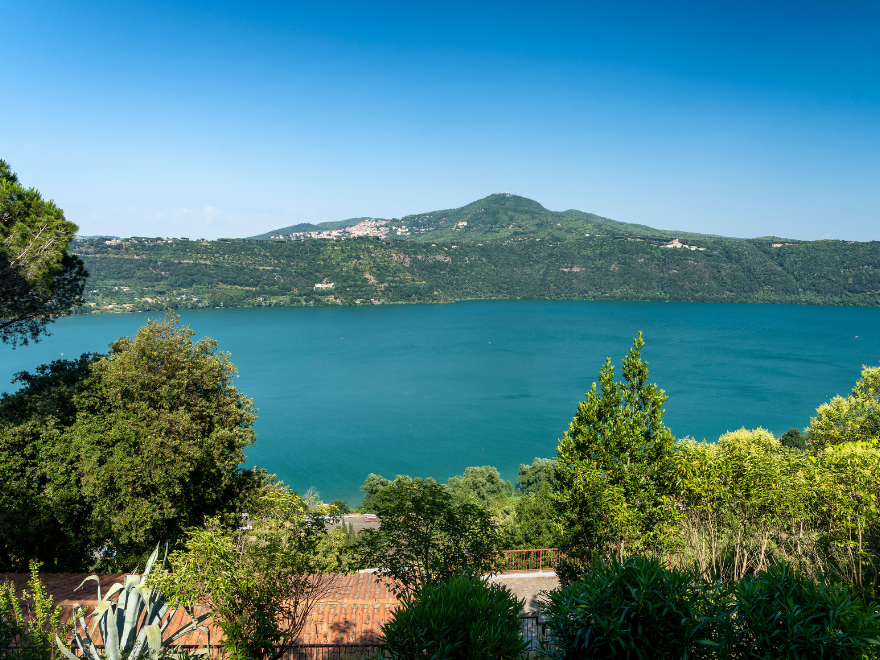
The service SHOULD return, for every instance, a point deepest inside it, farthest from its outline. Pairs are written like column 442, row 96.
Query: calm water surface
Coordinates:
column 431, row 389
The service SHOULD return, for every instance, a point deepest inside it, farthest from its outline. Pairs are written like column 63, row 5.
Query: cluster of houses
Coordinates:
column 675, row 243
column 369, row 227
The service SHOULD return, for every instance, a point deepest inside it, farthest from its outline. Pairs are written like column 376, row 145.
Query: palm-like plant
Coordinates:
column 131, row 624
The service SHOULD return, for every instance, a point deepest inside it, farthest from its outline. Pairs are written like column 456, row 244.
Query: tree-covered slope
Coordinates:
column 499, row 217
column 157, row 274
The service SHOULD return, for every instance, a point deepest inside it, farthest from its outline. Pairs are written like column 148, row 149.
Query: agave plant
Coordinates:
column 131, row 624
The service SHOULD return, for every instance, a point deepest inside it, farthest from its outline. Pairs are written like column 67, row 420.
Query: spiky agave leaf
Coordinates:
column 133, row 623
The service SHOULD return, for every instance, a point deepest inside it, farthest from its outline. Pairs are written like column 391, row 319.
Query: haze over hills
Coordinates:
column 498, row 217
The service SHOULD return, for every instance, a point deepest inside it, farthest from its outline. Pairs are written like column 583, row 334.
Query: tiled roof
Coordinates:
column 353, row 610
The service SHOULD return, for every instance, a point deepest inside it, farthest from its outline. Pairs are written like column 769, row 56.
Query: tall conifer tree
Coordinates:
column 615, row 483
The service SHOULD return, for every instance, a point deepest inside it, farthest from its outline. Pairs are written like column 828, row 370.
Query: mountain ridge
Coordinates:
column 496, row 217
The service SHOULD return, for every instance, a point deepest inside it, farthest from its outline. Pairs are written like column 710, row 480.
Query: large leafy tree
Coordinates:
column 149, row 446
column 427, row 536
column 532, row 478
column 43, row 515
column 159, row 436
column 373, row 484
column 39, row 279
column 614, row 482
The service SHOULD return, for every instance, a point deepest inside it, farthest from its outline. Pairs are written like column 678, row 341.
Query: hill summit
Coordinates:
column 500, row 217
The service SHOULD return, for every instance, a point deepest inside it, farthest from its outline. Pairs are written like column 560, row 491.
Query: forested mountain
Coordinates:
column 498, row 217
column 490, row 259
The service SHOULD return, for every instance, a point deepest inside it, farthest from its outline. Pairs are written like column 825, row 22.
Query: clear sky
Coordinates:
column 230, row 119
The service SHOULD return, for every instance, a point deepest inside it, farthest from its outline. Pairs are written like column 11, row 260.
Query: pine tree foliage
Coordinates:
column 39, row 280
column 615, row 479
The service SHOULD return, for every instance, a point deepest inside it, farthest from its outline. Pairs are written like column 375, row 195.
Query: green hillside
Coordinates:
column 499, row 217
column 502, row 246
column 153, row 274
column 504, row 217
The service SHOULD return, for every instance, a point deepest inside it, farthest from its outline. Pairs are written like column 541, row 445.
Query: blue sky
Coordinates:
column 229, row 119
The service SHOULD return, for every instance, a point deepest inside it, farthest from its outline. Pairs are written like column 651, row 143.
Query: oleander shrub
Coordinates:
column 464, row 618
column 637, row 609
column 783, row 614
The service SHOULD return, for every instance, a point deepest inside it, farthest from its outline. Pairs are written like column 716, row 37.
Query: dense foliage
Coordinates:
column 483, row 485
column 101, row 456
column 28, row 633
column 463, row 618
column 260, row 575
column 640, row 609
column 635, row 609
column 780, row 613
column 39, row 279
column 849, row 419
column 427, row 536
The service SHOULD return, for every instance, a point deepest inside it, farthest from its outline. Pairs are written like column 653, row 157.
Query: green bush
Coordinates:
column 464, row 618
column 637, row 609
column 26, row 633
column 782, row 614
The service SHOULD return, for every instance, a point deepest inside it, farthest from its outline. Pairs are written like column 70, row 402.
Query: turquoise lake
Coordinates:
column 427, row 390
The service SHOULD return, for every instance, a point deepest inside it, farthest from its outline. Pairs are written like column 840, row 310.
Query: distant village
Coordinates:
column 370, row 227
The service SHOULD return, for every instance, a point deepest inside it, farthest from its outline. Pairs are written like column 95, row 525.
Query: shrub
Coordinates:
column 464, row 618
column 31, row 631
column 427, row 536
column 260, row 576
column 637, row 609
column 782, row 614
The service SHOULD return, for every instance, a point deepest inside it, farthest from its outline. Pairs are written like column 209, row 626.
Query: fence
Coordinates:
column 530, row 560
column 335, row 652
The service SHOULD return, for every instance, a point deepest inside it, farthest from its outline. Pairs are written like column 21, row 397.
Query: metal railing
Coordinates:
column 335, row 652
column 529, row 560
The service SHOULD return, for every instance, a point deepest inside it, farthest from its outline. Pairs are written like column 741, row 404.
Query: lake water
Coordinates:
column 427, row 390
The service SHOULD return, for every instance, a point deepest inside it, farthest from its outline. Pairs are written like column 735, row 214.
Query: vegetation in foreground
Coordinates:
column 103, row 455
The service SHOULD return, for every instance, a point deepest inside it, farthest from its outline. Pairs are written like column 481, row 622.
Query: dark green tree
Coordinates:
column 483, row 484
column 532, row 523
column 372, row 486
column 43, row 515
column 118, row 451
column 160, row 435
column 39, row 279
column 462, row 619
column 614, row 485
column 427, row 536
column 533, row 477
column 793, row 439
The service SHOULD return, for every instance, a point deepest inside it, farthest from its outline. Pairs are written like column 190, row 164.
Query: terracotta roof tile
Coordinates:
column 353, row 611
